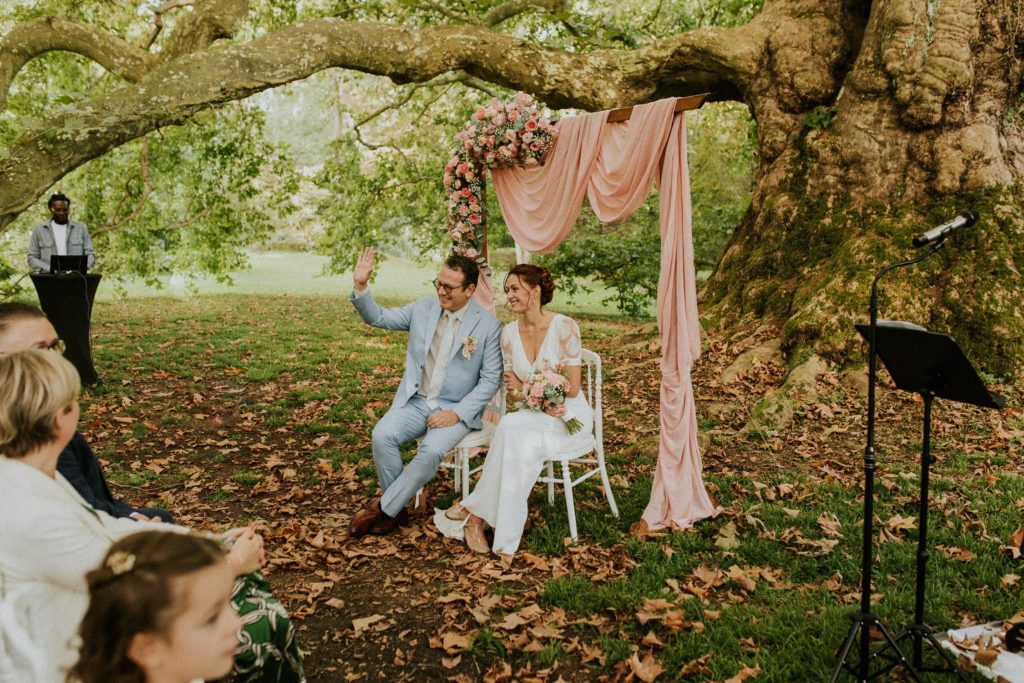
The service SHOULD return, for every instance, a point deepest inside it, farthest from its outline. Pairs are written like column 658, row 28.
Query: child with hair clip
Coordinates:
column 159, row 612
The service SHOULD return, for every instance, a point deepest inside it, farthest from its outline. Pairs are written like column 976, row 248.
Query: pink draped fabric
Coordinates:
column 614, row 165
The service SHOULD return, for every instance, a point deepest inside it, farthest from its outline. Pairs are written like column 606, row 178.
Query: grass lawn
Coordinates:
column 302, row 274
column 230, row 408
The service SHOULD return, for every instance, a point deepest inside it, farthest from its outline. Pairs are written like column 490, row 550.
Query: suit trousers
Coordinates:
column 399, row 426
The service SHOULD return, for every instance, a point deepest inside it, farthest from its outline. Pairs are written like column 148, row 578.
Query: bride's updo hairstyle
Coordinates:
column 535, row 276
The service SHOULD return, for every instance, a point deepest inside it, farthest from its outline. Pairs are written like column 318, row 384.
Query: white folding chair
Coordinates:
column 591, row 386
column 459, row 459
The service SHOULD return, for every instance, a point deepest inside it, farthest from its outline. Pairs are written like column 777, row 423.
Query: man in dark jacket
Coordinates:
column 26, row 327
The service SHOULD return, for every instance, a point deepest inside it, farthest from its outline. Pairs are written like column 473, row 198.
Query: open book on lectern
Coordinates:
column 921, row 361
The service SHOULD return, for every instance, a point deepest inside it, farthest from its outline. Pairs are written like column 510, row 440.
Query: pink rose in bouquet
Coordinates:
column 545, row 389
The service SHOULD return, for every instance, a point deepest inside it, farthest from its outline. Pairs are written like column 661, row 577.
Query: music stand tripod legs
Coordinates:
column 918, row 632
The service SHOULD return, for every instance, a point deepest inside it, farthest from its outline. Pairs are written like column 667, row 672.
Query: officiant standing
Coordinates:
column 59, row 236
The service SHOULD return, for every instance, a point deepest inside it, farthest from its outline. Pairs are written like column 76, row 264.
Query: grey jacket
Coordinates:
column 41, row 245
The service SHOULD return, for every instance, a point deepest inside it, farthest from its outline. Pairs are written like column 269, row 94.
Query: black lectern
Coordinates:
column 934, row 366
column 67, row 301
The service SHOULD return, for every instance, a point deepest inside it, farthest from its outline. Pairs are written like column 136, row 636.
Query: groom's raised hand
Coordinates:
column 364, row 269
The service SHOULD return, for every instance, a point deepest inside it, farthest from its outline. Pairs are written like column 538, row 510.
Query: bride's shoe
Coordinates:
column 457, row 513
column 474, row 533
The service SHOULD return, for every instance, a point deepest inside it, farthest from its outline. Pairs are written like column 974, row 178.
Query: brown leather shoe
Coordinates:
column 364, row 520
column 385, row 524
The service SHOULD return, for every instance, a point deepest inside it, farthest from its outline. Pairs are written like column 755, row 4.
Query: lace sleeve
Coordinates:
column 569, row 342
column 506, row 346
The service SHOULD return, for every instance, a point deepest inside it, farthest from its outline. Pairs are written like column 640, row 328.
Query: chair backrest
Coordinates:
column 590, row 384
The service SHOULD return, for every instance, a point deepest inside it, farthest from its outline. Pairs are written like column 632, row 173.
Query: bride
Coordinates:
column 523, row 439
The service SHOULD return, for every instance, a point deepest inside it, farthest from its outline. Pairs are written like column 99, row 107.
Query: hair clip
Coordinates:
column 120, row 562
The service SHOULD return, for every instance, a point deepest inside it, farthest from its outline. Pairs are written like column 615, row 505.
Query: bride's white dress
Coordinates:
column 523, row 439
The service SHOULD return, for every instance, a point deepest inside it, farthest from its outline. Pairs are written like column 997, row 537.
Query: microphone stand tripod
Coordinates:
column 865, row 618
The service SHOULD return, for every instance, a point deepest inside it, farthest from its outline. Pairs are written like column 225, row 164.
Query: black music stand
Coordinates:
column 934, row 366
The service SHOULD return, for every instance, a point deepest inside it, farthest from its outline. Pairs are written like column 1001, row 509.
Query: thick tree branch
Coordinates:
column 45, row 34
column 512, row 8
column 209, row 20
column 721, row 61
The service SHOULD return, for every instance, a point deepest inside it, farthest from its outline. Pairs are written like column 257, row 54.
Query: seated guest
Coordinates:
column 159, row 610
column 26, row 327
column 59, row 236
column 50, row 539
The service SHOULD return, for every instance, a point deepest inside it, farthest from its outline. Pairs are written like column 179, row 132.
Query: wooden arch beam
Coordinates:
column 682, row 104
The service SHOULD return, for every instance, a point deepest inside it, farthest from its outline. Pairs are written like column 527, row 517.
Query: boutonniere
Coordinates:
column 468, row 347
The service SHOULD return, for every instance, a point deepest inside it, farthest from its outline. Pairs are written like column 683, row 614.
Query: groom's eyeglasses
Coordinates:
column 447, row 289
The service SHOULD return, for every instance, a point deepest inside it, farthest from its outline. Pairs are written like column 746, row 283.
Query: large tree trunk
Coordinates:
column 924, row 123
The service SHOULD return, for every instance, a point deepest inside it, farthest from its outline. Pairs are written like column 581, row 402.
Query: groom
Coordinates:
column 452, row 370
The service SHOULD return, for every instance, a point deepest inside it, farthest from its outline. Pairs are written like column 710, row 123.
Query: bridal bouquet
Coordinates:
column 544, row 389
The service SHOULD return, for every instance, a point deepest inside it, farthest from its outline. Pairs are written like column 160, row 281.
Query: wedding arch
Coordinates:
column 613, row 158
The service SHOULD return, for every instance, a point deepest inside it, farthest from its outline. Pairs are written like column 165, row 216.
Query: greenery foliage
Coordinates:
column 345, row 159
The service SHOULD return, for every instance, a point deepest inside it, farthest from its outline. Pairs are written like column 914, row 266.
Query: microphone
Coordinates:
column 964, row 220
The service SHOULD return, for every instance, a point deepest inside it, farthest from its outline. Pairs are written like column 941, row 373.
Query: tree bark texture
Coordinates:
column 874, row 120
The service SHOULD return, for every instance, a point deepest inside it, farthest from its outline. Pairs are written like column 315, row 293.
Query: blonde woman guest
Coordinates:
column 50, row 538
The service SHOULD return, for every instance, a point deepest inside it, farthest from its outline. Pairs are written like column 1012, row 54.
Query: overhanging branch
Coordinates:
column 46, row 34
column 174, row 92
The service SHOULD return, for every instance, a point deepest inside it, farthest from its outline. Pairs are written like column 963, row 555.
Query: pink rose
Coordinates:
column 510, row 135
column 537, row 390
column 455, row 196
column 455, row 234
column 474, row 218
column 467, row 144
column 535, row 146
column 527, row 137
column 469, row 236
column 513, row 116
column 462, row 168
column 490, row 141
column 469, row 176
column 480, row 114
column 463, row 210
column 531, row 125
column 466, row 192
column 471, row 252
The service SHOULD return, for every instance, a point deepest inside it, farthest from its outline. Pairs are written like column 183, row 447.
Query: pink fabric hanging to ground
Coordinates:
column 614, row 165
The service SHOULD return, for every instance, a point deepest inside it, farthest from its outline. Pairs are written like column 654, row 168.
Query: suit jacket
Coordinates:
column 49, row 539
column 469, row 383
column 42, row 245
column 79, row 466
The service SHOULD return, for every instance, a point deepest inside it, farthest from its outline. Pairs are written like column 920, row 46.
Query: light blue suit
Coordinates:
column 469, row 384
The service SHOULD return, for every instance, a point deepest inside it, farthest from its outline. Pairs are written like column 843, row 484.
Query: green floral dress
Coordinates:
column 268, row 649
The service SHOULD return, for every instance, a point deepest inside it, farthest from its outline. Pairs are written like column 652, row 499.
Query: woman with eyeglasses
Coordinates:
column 50, row 539
column 536, row 340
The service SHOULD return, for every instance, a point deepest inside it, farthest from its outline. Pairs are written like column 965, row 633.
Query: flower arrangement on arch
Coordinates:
column 499, row 135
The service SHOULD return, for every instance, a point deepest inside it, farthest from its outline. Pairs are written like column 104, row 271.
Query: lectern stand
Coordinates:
column 934, row 366
column 67, row 300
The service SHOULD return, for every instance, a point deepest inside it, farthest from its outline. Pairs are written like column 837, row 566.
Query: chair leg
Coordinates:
column 551, row 483
column 464, row 456
column 457, row 473
column 607, row 486
column 570, row 503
